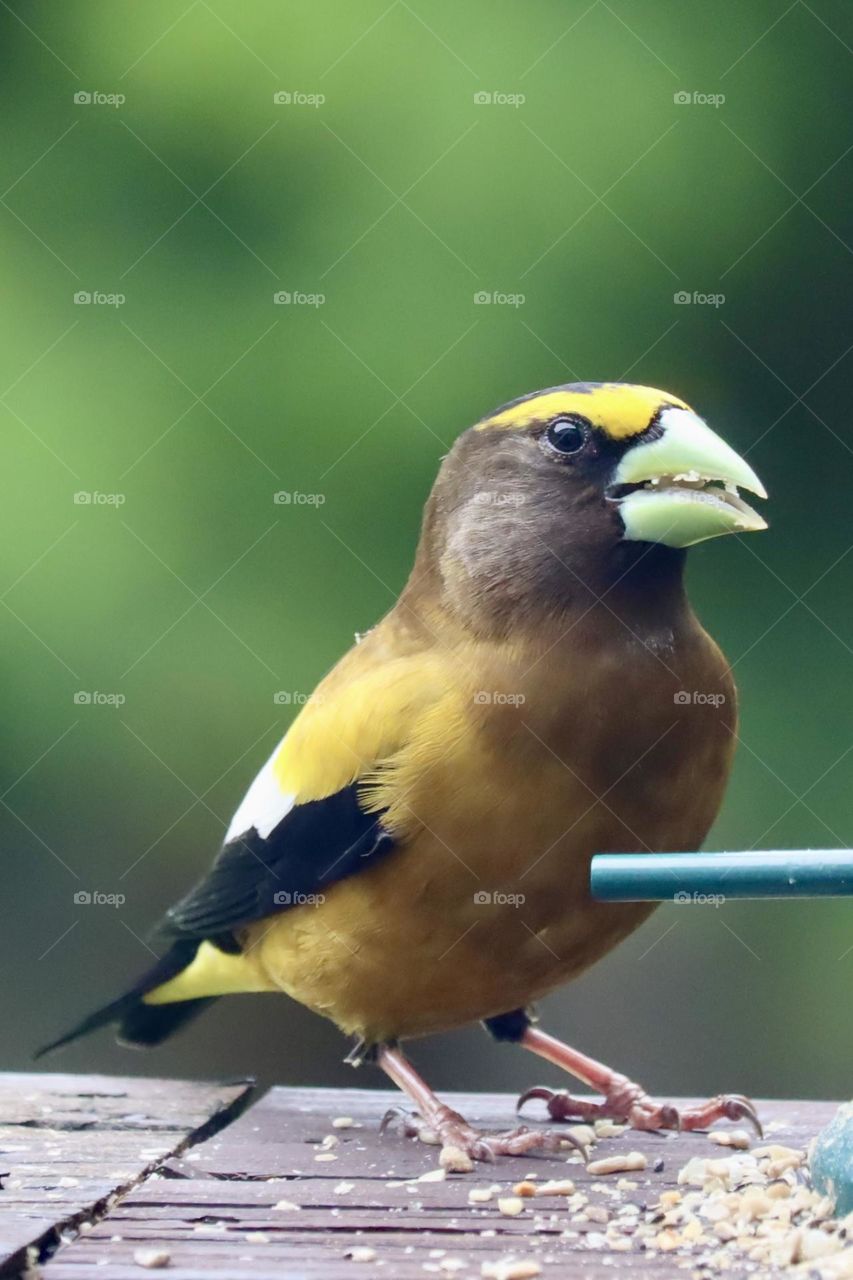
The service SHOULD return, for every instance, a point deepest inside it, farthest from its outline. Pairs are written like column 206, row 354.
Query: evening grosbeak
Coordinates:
column 415, row 854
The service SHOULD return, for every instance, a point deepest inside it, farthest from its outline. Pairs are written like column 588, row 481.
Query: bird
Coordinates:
column 414, row 856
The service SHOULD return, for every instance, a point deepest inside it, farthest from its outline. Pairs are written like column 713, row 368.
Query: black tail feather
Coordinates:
column 139, row 1023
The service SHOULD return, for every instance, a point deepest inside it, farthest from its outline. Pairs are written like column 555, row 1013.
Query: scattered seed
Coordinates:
column 607, row 1129
column 344, row 1188
column 153, row 1259
column 455, row 1160
column 361, row 1253
column 343, row 1122
column 511, row 1269
column 559, row 1187
column 511, row 1206
column 632, row 1161
column 524, row 1189
column 738, row 1138
column 287, row 1206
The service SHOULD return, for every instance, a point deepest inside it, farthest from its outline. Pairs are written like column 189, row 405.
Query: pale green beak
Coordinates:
column 690, row 478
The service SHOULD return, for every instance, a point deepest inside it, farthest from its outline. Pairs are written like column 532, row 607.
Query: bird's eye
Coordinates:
column 568, row 435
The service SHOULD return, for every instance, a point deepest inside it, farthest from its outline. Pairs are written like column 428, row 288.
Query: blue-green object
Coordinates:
column 831, row 1160
column 714, row 877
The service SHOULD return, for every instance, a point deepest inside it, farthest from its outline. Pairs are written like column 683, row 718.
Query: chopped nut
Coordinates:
column 524, row 1189
column 480, row 1195
column 630, row 1162
column 286, row 1206
column 667, row 1240
column 511, row 1206
column 343, row 1122
column 511, row 1269
column 361, row 1253
column 738, row 1138
column 607, row 1129
column 434, row 1175
column 558, row 1187
column 455, row 1160
column 344, row 1188
column 154, row 1259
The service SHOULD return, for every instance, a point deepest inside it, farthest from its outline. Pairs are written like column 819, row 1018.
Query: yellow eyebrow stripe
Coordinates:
column 619, row 409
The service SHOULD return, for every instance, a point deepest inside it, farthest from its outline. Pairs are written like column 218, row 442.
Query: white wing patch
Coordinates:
column 263, row 807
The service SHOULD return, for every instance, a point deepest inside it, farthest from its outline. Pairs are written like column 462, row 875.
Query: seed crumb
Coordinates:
column 361, row 1253
column 511, row 1269
column 511, row 1206
column 632, row 1161
column 524, row 1189
column 737, row 1138
column 455, row 1160
column 153, row 1259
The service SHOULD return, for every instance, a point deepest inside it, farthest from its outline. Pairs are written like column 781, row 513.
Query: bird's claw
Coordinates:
column 627, row 1103
column 449, row 1130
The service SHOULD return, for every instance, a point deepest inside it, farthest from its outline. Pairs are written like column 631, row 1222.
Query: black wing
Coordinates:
column 316, row 844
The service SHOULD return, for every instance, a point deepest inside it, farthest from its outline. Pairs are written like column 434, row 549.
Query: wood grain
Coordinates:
column 69, row 1144
column 211, row 1207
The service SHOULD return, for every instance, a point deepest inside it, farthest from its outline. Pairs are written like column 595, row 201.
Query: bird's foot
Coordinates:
column 461, row 1144
column 627, row 1103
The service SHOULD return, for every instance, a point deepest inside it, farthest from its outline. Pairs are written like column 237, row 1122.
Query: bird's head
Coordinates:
column 569, row 488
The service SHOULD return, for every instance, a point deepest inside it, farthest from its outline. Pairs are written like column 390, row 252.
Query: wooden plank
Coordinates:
column 69, row 1144
column 212, row 1209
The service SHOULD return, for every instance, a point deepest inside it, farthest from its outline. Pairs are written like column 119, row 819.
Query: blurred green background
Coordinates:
column 398, row 197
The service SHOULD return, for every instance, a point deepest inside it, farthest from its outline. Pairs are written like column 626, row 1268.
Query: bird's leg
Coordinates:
column 439, row 1125
column 621, row 1098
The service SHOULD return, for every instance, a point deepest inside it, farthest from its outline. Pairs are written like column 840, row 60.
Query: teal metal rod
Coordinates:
column 714, row 877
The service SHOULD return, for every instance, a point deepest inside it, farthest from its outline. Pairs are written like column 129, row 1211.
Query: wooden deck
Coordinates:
column 100, row 1175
